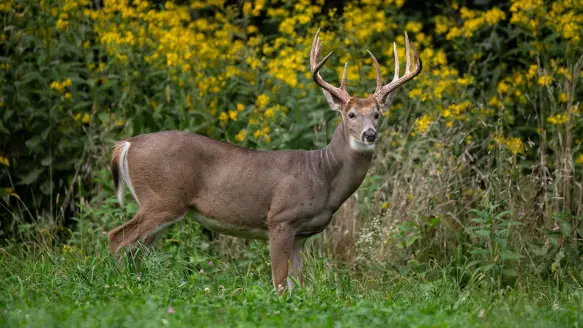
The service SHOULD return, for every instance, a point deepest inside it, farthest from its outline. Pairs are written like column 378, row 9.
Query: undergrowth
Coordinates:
column 186, row 287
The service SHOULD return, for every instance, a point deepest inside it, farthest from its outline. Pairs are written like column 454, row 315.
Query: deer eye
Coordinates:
column 376, row 115
column 351, row 115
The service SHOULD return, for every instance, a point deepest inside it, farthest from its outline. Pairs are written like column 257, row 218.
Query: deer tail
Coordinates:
column 120, row 170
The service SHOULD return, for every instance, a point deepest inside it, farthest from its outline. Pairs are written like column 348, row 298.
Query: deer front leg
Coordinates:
column 296, row 263
column 281, row 240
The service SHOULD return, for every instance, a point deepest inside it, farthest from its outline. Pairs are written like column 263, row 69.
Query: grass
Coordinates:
column 68, row 289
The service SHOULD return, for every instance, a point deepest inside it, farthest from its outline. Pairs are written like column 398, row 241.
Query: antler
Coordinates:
column 382, row 91
column 340, row 93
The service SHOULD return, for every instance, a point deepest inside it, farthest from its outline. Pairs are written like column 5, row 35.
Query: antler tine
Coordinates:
column 396, row 77
column 315, row 67
column 381, row 93
column 378, row 71
column 344, row 78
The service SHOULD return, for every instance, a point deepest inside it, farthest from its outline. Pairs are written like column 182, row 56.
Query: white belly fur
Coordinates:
column 214, row 225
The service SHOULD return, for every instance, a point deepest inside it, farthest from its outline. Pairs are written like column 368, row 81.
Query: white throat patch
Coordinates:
column 360, row 146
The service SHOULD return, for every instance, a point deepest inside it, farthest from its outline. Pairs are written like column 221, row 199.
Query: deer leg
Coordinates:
column 296, row 263
column 281, row 239
column 144, row 229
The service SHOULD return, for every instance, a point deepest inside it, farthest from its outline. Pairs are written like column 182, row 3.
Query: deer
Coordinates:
column 282, row 196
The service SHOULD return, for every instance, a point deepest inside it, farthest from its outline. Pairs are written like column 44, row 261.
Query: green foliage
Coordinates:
column 492, row 252
column 71, row 289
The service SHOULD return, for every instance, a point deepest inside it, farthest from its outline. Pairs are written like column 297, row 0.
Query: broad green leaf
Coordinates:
column 32, row 176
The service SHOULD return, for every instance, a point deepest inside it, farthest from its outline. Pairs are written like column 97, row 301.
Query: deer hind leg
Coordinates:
column 144, row 229
column 296, row 263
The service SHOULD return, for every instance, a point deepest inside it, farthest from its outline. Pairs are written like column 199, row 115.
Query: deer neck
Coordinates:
column 346, row 165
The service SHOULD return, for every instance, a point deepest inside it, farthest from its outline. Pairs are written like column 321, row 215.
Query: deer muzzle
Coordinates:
column 369, row 135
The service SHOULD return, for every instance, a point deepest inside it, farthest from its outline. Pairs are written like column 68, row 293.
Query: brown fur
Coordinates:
column 289, row 194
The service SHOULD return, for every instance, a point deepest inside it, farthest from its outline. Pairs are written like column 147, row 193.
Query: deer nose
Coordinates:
column 369, row 135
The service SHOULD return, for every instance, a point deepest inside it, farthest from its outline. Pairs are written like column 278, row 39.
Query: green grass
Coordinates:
column 52, row 289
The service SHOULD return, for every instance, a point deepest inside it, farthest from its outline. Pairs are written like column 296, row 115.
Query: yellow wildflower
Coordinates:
column 413, row 27
column 247, row 7
column 545, row 79
column 503, row 87
column 233, row 115
column 240, row 107
column 287, row 26
column 494, row 15
column 515, row 145
column 223, row 117
column 440, row 58
column 262, row 101
column 441, row 23
column 517, row 79
column 60, row 86
column 495, row 102
column 240, row 137
column 413, row 93
column 532, row 72
column 453, row 33
column 4, row 161
column 67, row 249
column 71, row 250
column 269, row 113
column 558, row 119
column 465, row 81
column 472, row 25
column 467, row 14
column 422, row 124
column 252, row 29
column 62, row 23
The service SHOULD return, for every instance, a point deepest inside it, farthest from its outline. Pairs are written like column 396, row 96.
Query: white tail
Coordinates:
column 120, row 162
column 284, row 196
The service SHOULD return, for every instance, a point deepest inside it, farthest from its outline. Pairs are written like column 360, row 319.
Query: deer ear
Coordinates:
column 389, row 101
column 334, row 102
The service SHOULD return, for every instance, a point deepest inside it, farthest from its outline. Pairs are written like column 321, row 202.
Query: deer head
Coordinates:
column 360, row 115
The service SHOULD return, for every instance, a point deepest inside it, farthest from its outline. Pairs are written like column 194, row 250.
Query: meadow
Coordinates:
column 176, row 288
column 469, row 216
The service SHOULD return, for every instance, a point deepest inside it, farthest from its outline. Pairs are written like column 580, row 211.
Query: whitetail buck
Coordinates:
column 284, row 196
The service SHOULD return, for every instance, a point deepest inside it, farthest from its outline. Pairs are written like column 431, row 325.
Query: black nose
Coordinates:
column 369, row 135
